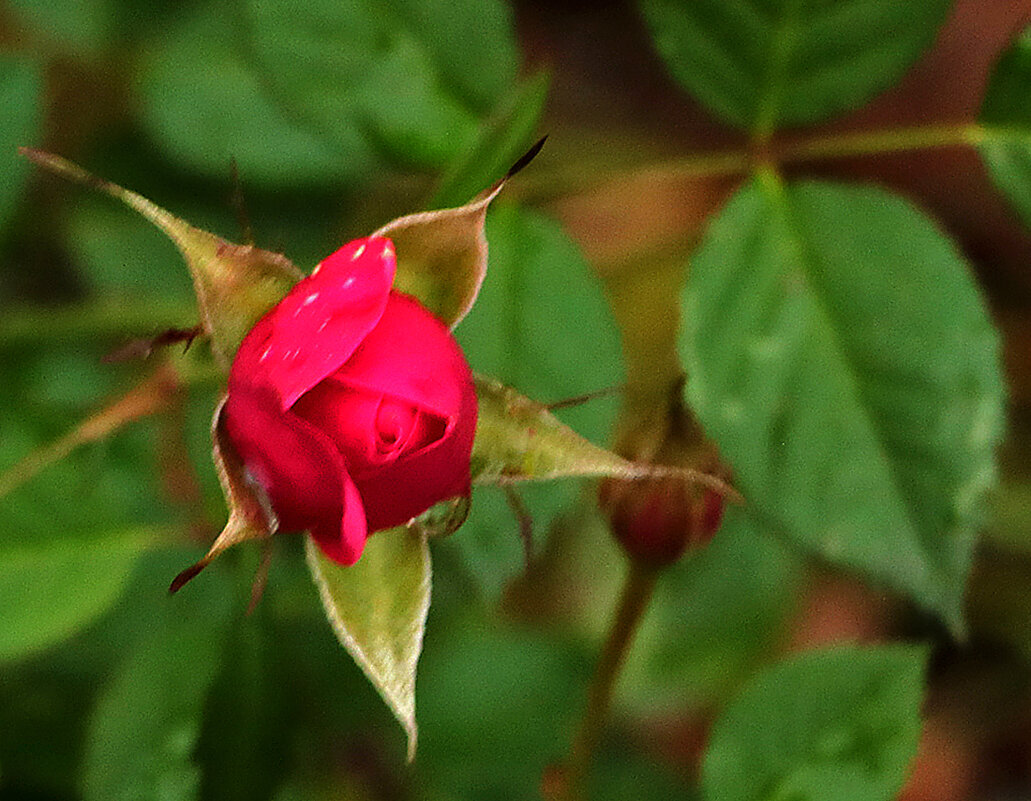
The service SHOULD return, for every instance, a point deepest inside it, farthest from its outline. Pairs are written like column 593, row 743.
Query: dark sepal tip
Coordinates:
column 527, row 157
column 179, row 581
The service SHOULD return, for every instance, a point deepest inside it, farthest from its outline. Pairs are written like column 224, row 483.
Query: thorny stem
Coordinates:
column 633, row 602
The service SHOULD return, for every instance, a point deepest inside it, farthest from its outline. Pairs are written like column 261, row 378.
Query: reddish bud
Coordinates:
column 657, row 519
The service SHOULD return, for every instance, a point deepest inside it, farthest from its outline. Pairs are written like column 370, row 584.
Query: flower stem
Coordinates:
column 638, row 588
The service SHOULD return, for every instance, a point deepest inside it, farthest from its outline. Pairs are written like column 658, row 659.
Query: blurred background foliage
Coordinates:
column 331, row 118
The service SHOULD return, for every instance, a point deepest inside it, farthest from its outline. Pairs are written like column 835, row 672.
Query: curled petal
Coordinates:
column 321, row 322
column 411, row 356
column 428, row 475
column 300, row 469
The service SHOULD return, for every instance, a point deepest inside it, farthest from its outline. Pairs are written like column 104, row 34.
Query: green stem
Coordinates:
column 548, row 185
column 637, row 592
column 892, row 140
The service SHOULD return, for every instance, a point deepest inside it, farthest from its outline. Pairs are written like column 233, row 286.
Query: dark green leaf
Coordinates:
column 377, row 608
column 144, row 729
column 540, row 323
column 409, row 76
column 1006, row 122
column 51, row 589
column 498, row 704
column 762, row 66
column 21, row 87
column 835, row 725
column 715, row 613
column 205, row 106
column 501, row 139
column 839, row 353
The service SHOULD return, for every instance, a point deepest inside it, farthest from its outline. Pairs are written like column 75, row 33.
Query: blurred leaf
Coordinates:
column 83, row 26
column 501, row 139
column 145, row 727
column 148, row 397
column 21, row 88
column 540, row 323
column 409, row 75
column 714, row 614
column 789, row 62
column 235, row 284
column 442, row 255
column 839, row 353
column 497, row 708
column 1006, row 122
column 51, row 589
column 246, row 698
column 377, row 608
column 123, row 255
column 204, row 105
column 840, row 723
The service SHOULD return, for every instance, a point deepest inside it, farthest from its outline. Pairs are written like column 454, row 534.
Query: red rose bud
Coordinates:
column 657, row 519
column 351, row 404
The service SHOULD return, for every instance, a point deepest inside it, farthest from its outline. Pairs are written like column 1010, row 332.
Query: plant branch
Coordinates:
column 633, row 602
column 737, row 161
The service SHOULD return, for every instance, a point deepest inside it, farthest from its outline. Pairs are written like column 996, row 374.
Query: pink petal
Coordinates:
column 322, row 320
column 299, row 467
column 412, row 356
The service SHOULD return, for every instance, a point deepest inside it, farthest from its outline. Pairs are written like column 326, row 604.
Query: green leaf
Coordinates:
column 501, row 139
column 713, row 616
column 408, row 76
column 141, row 739
column 1006, row 122
column 762, row 66
column 21, row 88
column 377, row 608
column 206, row 106
column 53, row 588
column 839, row 353
column 838, row 724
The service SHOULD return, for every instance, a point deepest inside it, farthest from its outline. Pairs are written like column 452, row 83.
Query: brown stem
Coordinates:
column 637, row 592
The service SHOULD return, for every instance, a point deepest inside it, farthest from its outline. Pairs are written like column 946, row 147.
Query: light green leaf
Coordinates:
column 840, row 724
column 518, row 439
column 141, row 740
column 1006, row 122
column 442, row 255
column 53, row 588
column 762, row 66
column 21, row 87
column 83, row 26
column 501, row 139
column 839, row 353
column 410, row 76
column 205, row 106
column 377, row 608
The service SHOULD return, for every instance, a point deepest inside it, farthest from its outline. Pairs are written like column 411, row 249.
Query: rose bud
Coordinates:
column 657, row 519
column 351, row 404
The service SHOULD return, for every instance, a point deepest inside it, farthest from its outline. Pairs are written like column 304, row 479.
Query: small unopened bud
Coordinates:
column 657, row 519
